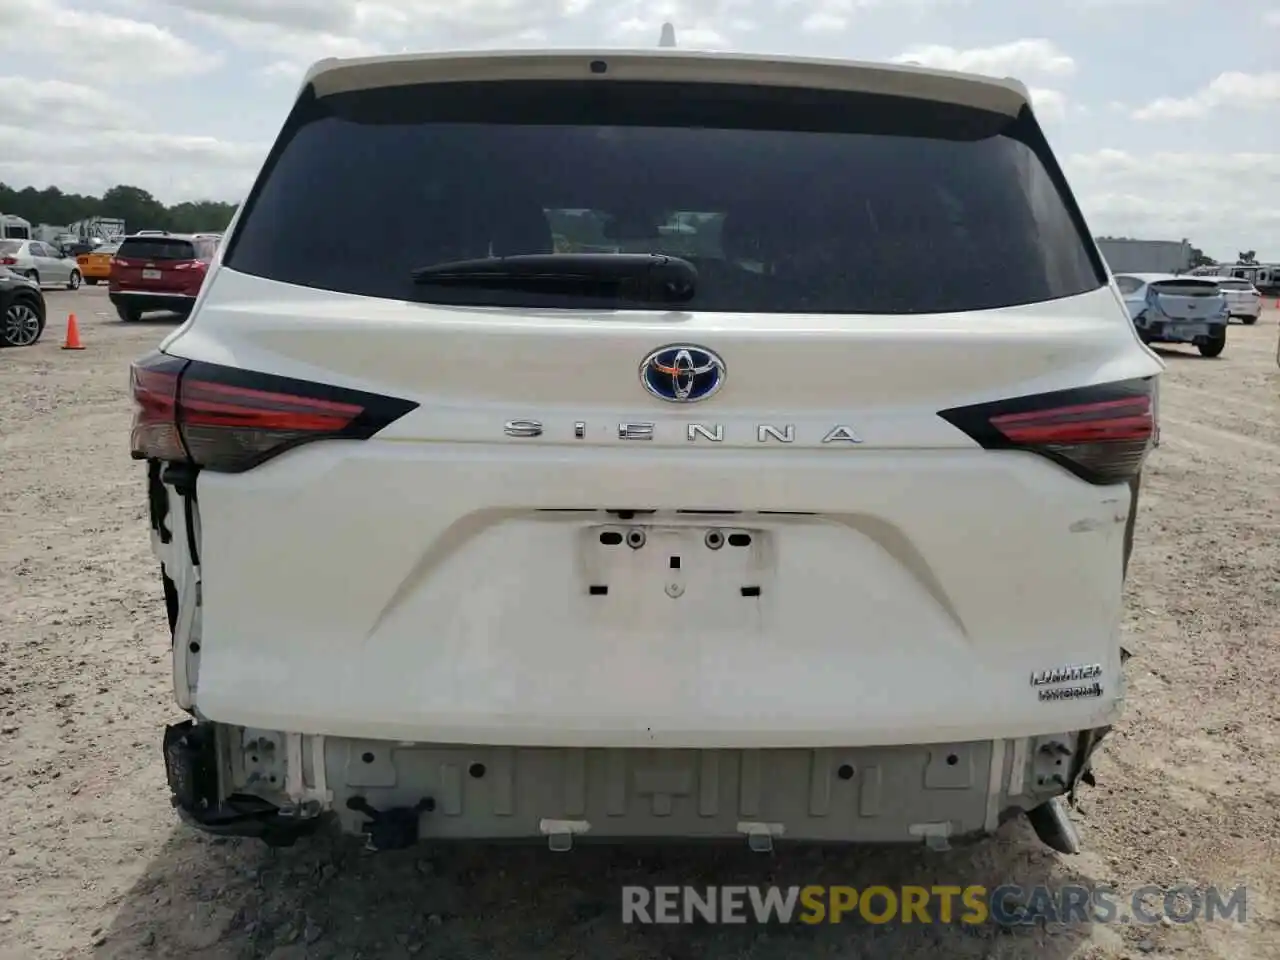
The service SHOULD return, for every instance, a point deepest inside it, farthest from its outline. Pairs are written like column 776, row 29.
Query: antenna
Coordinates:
column 668, row 38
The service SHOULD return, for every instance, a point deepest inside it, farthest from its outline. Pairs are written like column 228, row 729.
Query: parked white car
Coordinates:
column 1244, row 301
column 464, row 537
column 40, row 262
column 1171, row 308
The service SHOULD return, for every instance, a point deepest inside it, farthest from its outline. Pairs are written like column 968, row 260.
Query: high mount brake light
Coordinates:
column 230, row 420
column 1102, row 434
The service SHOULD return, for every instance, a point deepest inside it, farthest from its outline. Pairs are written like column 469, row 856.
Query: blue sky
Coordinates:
column 1166, row 113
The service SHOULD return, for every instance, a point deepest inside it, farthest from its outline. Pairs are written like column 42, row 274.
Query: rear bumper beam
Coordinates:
column 191, row 768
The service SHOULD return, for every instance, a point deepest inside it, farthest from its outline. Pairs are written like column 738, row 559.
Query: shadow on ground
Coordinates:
column 328, row 898
column 153, row 320
column 1170, row 353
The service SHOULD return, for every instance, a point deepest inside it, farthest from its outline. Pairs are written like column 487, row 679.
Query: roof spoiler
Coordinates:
column 332, row 76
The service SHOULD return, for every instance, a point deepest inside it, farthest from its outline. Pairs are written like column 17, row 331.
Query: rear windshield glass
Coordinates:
column 1186, row 288
column 156, row 248
column 784, row 201
column 10, row 246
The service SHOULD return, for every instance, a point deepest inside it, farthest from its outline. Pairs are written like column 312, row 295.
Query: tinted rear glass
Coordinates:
column 156, row 248
column 1186, row 288
column 785, row 201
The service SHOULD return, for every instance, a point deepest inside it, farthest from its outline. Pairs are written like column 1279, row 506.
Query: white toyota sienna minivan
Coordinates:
column 685, row 445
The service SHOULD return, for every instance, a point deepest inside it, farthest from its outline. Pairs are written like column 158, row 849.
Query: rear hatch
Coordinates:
column 1239, row 293
column 156, row 265
column 544, row 541
column 1186, row 299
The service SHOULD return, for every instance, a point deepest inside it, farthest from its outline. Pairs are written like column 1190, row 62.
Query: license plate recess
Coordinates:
column 675, row 563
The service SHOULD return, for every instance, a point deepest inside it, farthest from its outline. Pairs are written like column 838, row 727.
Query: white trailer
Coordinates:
column 100, row 229
column 1146, row 256
column 1264, row 276
column 14, row 228
column 48, row 233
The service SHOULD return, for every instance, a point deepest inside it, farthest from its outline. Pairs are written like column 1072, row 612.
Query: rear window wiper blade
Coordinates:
column 648, row 277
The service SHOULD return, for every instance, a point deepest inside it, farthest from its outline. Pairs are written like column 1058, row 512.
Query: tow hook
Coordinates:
column 1053, row 826
column 395, row 828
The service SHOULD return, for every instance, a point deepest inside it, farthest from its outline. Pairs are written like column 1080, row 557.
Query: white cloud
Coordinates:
column 305, row 15
column 1233, row 90
column 1048, row 104
column 1020, row 57
column 377, row 24
column 1210, row 198
column 295, row 44
column 89, row 43
column 40, row 104
column 172, row 167
column 836, row 16
column 699, row 24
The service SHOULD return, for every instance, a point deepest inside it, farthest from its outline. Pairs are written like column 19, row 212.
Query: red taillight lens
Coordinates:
column 154, row 384
column 187, row 265
column 230, row 420
column 8, row 261
column 229, row 428
column 1085, row 423
column 117, row 262
column 1102, row 434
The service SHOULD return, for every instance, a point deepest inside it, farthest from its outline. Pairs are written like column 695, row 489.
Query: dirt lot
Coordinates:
column 93, row 863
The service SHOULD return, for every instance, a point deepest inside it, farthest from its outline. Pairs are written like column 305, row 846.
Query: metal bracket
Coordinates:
column 936, row 835
column 560, row 833
column 760, row 835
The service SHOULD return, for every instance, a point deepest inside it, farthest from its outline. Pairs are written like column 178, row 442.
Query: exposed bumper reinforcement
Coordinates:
column 191, row 769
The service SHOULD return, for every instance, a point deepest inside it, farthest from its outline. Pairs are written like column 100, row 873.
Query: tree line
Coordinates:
column 135, row 206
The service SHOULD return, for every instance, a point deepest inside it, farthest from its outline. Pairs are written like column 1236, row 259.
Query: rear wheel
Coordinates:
column 22, row 324
column 32, row 276
column 1214, row 345
column 127, row 314
column 1249, row 321
column 91, row 281
column 74, row 282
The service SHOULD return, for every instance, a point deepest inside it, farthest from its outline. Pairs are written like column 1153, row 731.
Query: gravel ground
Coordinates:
column 93, row 863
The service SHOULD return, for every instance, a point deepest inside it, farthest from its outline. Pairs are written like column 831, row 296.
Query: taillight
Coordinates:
column 1102, row 434
column 187, row 265
column 117, row 262
column 153, row 381
column 8, row 261
column 230, row 420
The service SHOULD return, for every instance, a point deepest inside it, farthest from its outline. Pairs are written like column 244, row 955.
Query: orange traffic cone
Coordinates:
column 73, row 334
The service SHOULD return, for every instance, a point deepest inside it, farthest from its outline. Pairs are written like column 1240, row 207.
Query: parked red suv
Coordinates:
column 159, row 272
